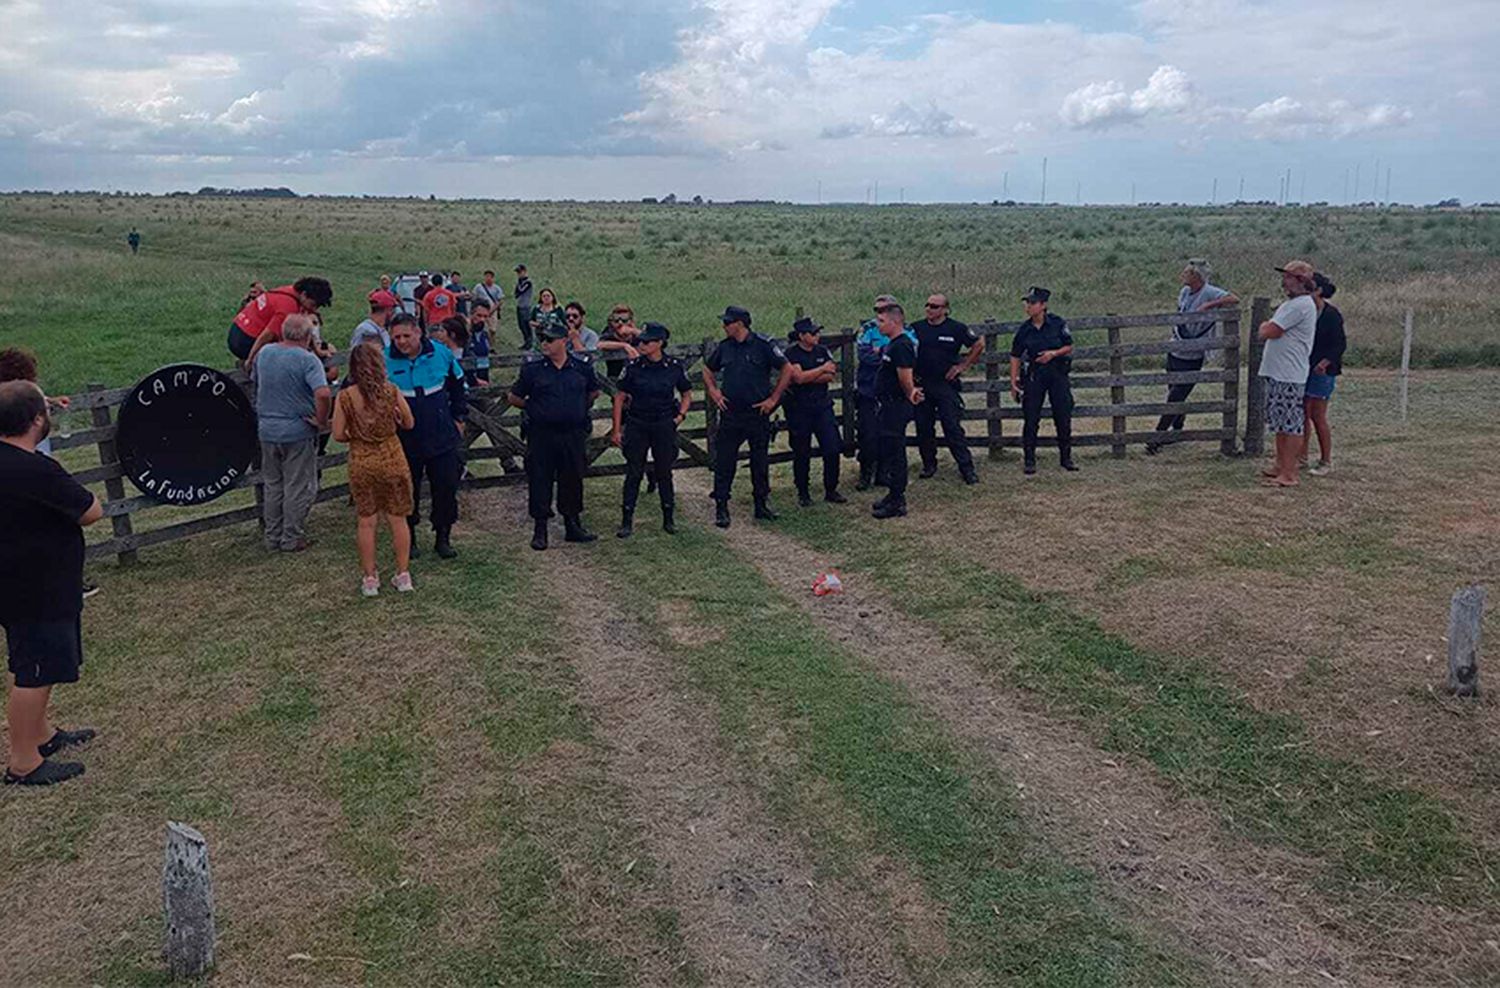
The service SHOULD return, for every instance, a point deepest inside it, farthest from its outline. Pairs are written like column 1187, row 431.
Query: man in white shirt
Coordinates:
column 1288, row 335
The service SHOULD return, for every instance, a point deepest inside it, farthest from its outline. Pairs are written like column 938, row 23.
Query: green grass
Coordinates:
column 1016, row 910
column 1255, row 767
column 114, row 317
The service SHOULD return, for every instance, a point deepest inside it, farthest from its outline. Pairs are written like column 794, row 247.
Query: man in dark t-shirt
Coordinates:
column 41, row 584
column 896, row 388
column 945, row 349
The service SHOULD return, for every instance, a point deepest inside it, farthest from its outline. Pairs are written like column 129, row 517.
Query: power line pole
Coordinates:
column 877, row 192
column 1302, row 187
column 1241, row 196
column 1287, row 196
column 1005, row 186
column 1214, row 198
column 1044, row 181
column 1387, row 185
column 1356, row 181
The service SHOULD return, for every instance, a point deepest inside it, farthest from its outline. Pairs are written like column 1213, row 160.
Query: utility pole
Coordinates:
column 1288, row 194
column 1214, row 198
column 903, row 195
column 1302, row 187
column 1044, row 181
column 1387, row 185
column 1241, row 196
column 1005, row 186
column 877, row 192
column 1356, row 181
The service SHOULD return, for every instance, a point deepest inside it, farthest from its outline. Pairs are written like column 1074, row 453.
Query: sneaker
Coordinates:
column 1323, row 469
column 369, row 586
column 89, row 589
column 402, row 583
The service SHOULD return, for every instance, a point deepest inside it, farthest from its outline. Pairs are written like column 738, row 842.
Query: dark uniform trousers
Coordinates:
column 895, row 415
column 659, row 438
column 867, row 425
column 1043, row 383
column 443, row 472
column 802, row 428
column 555, row 456
column 523, row 323
column 942, row 402
column 1178, row 392
column 736, row 429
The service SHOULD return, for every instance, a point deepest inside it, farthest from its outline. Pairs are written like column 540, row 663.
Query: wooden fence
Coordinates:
column 1105, row 366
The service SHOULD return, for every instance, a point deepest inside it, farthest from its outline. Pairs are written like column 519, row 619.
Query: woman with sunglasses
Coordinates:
column 618, row 339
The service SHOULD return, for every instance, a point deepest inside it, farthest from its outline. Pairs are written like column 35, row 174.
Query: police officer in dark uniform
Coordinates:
column 556, row 392
column 896, row 387
column 653, row 399
column 737, row 377
column 941, row 340
column 1040, row 358
column 809, row 412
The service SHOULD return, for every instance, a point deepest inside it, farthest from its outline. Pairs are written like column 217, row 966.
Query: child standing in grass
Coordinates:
column 367, row 417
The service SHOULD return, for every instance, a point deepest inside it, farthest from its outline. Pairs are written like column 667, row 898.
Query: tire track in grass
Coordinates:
column 754, row 908
column 1166, row 857
column 1016, row 912
column 1394, row 867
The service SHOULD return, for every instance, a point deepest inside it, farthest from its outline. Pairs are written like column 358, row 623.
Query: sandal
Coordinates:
column 66, row 739
column 45, row 774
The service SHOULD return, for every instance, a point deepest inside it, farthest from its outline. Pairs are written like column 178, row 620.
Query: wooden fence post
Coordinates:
column 1116, row 394
column 1255, row 388
column 993, row 427
column 1229, row 332
column 710, row 410
column 187, row 888
column 849, row 391
column 1465, row 616
column 1405, row 363
column 114, row 487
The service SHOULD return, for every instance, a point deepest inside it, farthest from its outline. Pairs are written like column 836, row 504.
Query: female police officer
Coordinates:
column 652, row 401
column 809, row 412
column 1040, row 358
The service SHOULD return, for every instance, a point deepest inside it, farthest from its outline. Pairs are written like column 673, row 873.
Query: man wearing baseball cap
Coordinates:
column 1289, row 335
column 373, row 329
column 737, row 377
column 868, row 348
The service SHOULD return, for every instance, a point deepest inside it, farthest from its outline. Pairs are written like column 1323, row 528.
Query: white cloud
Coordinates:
column 1285, row 118
column 1105, row 104
column 905, row 120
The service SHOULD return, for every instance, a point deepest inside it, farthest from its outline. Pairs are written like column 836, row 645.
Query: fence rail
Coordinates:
column 1098, row 367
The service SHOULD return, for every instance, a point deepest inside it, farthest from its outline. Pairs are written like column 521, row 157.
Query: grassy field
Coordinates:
column 93, row 312
column 1149, row 724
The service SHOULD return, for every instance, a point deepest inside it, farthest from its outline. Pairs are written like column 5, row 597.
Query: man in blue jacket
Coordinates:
column 433, row 382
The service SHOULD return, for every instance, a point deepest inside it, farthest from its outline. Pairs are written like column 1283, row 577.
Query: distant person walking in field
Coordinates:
column 556, row 393
column 868, row 347
column 41, row 585
column 652, row 401
column 1288, row 335
column 373, row 329
column 367, row 416
column 523, row 294
column 430, row 378
column 1196, row 295
column 1326, row 364
column 946, row 348
column 133, row 238
column 1041, row 355
column 259, row 321
column 809, row 412
column 293, row 403
column 896, row 387
column 737, row 376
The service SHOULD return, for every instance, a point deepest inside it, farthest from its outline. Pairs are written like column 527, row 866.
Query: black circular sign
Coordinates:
column 186, row 434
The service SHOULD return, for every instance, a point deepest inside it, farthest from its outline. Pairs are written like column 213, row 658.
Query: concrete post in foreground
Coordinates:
column 1465, row 616
column 187, row 889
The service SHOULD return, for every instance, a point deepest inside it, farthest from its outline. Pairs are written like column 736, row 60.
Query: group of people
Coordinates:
column 415, row 398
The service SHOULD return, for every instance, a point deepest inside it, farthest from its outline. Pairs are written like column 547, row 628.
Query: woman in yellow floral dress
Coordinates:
column 367, row 416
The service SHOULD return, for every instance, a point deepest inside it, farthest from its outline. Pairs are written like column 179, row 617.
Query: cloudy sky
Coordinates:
column 785, row 99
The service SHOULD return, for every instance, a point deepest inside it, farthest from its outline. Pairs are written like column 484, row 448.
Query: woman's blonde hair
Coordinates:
column 367, row 369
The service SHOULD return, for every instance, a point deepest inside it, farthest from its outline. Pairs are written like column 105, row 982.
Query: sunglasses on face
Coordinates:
column 574, row 317
column 936, row 305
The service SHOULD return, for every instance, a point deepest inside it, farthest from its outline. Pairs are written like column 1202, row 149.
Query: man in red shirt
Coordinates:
column 259, row 322
column 439, row 303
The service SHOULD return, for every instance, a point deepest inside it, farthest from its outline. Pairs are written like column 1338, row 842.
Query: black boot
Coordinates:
column 626, row 529
column 573, row 530
column 667, row 524
column 890, row 508
column 834, row 497
column 539, row 534
column 415, row 550
column 763, row 510
column 1030, row 467
column 927, row 472
column 443, row 546
column 804, row 500
column 971, row 477
column 866, row 477
column 651, row 483
column 1065, row 455
column 721, row 514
